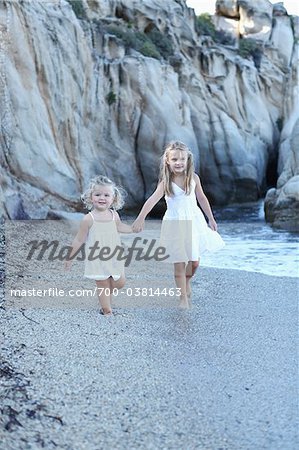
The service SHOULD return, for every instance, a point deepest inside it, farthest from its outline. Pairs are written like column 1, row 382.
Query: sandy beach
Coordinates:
column 222, row 375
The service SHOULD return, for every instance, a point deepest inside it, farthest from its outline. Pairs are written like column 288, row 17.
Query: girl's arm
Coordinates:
column 122, row 227
column 79, row 239
column 204, row 203
column 147, row 207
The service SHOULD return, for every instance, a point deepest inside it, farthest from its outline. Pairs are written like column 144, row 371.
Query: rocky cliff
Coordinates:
column 99, row 86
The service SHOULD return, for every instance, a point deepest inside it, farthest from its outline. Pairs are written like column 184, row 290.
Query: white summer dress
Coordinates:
column 105, row 234
column 185, row 233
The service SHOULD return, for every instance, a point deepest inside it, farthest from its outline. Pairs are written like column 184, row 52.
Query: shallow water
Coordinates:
column 253, row 245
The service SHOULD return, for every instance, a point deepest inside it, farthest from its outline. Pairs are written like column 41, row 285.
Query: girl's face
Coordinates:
column 177, row 161
column 102, row 197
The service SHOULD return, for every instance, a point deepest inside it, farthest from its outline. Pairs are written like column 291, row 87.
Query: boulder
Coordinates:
column 227, row 25
column 282, row 38
column 255, row 19
column 279, row 9
column 282, row 203
column 227, row 8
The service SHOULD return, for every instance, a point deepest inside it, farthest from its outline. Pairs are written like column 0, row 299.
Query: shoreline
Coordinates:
column 293, row 277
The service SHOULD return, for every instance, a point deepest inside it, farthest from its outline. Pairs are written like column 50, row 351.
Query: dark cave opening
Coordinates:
column 271, row 175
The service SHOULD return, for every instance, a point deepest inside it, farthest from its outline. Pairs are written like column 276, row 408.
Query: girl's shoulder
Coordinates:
column 88, row 218
column 86, row 222
column 161, row 186
column 115, row 214
column 196, row 178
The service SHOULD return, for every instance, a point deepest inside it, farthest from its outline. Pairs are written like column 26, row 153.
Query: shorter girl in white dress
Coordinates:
column 99, row 230
column 184, row 233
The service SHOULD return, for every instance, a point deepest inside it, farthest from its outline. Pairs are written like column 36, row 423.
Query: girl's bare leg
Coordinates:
column 180, row 280
column 190, row 271
column 105, row 295
column 118, row 284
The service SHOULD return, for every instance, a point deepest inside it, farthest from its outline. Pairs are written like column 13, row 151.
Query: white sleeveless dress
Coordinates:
column 185, row 233
column 104, row 234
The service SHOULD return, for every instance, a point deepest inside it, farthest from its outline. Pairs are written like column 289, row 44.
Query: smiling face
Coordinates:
column 177, row 161
column 102, row 197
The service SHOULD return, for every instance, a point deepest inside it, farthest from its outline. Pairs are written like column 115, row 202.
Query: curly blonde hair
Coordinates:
column 165, row 173
column 101, row 180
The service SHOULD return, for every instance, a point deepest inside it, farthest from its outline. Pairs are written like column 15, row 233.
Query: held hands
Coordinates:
column 138, row 225
column 213, row 224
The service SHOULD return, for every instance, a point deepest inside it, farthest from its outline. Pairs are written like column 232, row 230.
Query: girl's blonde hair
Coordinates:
column 101, row 180
column 166, row 174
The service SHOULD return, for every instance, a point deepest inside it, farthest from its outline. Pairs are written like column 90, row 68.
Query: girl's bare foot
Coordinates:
column 184, row 304
column 106, row 312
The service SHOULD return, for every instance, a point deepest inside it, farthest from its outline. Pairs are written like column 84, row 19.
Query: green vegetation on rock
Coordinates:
column 206, row 27
column 153, row 44
column 162, row 42
column 111, row 98
column 78, row 8
column 251, row 48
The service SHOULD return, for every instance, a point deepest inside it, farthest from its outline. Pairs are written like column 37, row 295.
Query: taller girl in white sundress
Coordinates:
column 184, row 233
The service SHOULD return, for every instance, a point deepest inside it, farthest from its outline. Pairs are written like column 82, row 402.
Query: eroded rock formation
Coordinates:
column 100, row 87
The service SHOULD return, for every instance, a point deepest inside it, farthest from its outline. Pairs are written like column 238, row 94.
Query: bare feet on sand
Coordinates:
column 184, row 304
column 106, row 312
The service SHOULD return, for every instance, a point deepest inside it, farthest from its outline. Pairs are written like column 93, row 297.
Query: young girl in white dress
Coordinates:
column 100, row 228
column 184, row 233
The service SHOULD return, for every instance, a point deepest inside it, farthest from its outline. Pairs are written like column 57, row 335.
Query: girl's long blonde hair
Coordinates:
column 101, row 180
column 166, row 174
